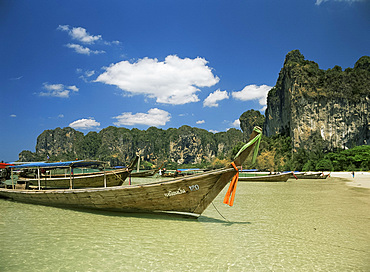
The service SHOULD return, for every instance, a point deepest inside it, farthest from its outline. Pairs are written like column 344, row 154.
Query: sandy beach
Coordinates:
column 361, row 179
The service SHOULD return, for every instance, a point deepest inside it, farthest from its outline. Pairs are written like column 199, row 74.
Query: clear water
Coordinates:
column 310, row 225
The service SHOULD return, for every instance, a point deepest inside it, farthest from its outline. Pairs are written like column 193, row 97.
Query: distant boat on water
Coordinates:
column 304, row 175
column 145, row 173
column 282, row 177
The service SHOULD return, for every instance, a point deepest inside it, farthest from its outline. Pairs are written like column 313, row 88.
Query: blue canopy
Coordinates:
column 249, row 170
column 73, row 164
column 189, row 169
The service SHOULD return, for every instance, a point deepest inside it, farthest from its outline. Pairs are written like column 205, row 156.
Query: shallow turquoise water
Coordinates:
column 309, row 225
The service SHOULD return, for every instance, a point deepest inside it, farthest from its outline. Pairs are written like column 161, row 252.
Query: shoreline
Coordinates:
column 361, row 179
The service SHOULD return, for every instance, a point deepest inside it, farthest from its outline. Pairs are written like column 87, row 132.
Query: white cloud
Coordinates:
column 16, row 78
column 154, row 117
column 83, row 50
column 254, row 92
column 13, row 115
column 213, row 98
column 60, row 116
column 319, row 2
column 58, row 90
column 236, row 123
column 89, row 73
column 53, row 87
column 113, row 42
column 213, row 131
column 85, row 75
column 80, row 34
column 173, row 81
column 200, row 122
column 73, row 88
column 63, row 27
column 85, row 124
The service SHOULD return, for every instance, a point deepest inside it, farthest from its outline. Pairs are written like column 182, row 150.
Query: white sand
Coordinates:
column 361, row 179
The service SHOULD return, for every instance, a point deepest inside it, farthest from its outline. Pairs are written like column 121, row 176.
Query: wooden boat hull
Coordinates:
column 113, row 178
column 310, row 176
column 313, row 177
column 171, row 174
column 185, row 195
column 268, row 178
column 147, row 173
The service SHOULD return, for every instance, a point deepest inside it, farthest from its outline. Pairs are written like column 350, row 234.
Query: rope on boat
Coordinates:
column 118, row 177
column 219, row 212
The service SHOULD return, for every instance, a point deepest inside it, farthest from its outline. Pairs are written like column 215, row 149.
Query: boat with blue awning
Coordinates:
column 44, row 175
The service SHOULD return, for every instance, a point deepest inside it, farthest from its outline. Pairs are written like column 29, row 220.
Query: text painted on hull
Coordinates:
column 181, row 191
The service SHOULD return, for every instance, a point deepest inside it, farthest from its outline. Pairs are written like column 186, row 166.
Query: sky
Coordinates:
column 136, row 64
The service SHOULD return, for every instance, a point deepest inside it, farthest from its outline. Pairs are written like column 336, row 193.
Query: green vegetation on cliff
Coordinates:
column 185, row 145
column 319, row 109
column 276, row 155
column 250, row 119
column 179, row 148
column 352, row 83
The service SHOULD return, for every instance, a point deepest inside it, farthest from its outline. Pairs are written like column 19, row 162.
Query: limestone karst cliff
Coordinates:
column 309, row 104
column 249, row 120
column 58, row 141
column 185, row 145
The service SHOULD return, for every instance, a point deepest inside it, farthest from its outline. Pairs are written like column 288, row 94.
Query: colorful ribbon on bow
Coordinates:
column 254, row 140
column 230, row 195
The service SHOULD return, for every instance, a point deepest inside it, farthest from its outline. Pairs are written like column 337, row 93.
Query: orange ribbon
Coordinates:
column 232, row 188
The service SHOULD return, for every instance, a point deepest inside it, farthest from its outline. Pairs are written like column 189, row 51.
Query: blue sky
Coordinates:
column 94, row 64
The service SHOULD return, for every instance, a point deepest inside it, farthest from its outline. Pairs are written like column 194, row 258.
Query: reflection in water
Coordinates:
column 299, row 225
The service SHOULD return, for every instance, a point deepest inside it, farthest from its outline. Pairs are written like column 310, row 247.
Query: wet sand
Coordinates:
column 361, row 179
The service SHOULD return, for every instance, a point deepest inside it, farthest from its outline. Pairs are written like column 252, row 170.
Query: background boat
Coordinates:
column 72, row 181
column 300, row 175
column 266, row 178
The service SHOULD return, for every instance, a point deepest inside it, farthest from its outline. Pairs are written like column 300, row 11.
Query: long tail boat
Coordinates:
column 72, row 180
column 305, row 175
column 267, row 178
column 5, row 171
column 188, row 195
column 312, row 176
column 146, row 173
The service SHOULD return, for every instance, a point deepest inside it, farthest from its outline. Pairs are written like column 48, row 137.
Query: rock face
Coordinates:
column 58, row 141
column 249, row 120
column 185, row 145
column 308, row 102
